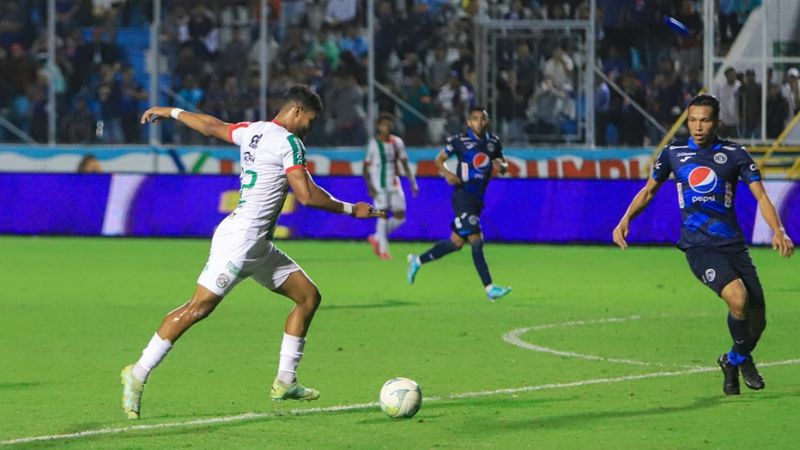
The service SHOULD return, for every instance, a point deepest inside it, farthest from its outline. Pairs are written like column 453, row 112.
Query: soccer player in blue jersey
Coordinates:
column 477, row 151
column 706, row 171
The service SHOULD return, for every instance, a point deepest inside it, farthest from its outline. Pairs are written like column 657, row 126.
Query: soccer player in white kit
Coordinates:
column 272, row 159
column 385, row 154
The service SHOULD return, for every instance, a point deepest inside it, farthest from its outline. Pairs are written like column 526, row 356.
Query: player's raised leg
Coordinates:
column 176, row 323
column 307, row 298
column 438, row 250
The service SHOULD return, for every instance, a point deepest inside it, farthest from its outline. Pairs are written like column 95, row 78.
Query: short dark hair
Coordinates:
column 385, row 116
column 706, row 100
column 304, row 96
column 478, row 108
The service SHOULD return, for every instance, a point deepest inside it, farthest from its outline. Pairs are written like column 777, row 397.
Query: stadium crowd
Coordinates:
column 424, row 55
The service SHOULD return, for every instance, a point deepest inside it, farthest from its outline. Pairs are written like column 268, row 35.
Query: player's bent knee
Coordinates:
column 477, row 245
column 200, row 310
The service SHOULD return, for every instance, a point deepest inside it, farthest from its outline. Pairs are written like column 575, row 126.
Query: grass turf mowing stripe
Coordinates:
column 359, row 406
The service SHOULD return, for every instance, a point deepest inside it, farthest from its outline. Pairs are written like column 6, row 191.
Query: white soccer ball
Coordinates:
column 400, row 398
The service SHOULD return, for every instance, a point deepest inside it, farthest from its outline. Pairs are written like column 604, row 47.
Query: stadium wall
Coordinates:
column 524, row 162
column 517, row 210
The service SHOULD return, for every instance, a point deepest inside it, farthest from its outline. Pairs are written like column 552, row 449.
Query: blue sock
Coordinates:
column 438, row 250
column 737, row 359
column 740, row 332
column 480, row 262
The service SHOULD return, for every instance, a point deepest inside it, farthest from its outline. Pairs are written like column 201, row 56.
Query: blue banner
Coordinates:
column 517, row 210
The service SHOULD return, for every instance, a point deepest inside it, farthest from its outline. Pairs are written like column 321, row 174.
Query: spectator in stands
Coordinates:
column 548, row 107
column 187, row 64
column 602, row 108
column 234, row 57
column 109, row 128
column 13, row 24
column 345, row 106
column 438, row 69
column 777, row 111
column 199, row 30
column 89, row 164
column 791, row 92
column 728, row 19
column 750, row 106
column 631, row 123
column 21, row 69
column 512, row 105
column 418, row 96
column 79, row 125
column 452, row 103
column 560, row 69
column 728, row 94
column 341, row 12
column 352, row 42
column 131, row 94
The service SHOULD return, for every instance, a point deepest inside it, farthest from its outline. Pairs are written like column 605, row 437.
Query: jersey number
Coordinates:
column 253, row 177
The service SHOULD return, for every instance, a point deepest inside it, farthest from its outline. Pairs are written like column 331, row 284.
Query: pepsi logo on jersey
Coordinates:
column 702, row 180
column 481, row 161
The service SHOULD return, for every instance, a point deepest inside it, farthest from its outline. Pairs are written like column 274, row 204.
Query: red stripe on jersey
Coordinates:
column 234, row 126
column 295, row 167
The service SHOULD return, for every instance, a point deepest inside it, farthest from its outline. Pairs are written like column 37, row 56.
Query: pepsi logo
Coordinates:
column 702, row 179
column 481, row 161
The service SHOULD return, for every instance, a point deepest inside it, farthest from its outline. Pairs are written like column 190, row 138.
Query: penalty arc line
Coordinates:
column 363, row 406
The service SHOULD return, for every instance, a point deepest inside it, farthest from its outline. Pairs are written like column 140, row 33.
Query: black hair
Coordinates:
column 478, row 108
column 385, row 116
column 304, row 96
column 706, row 100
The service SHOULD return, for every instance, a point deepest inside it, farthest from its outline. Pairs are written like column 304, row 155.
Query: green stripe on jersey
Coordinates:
column 298, row 150
column 382, row 152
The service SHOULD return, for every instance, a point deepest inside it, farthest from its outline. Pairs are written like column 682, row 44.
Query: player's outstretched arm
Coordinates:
column 451, row 178
column 638, row 204
column 501, row 165
column 780, row 240
column 203, row 123
column 308, row 193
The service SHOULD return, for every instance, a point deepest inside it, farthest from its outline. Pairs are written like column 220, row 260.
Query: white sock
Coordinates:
column 381, row 235
column 394, row 223
column 291, row 353
column 489, row 287
column 152, row 355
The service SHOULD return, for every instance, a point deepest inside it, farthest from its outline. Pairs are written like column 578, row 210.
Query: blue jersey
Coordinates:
column 475, row 158
column 706, row 180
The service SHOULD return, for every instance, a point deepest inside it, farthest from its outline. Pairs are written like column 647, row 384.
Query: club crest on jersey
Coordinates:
column 248, row 158
column 710, row 275
column 223, row 281
column 720, row 158
column 490, row 147
column 702, row 179
column 481, row 161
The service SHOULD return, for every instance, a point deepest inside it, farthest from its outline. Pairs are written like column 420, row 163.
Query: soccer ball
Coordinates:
column 400, row 398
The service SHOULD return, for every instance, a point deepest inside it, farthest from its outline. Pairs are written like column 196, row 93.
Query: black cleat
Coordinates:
column 731, row 373
column 752, row 378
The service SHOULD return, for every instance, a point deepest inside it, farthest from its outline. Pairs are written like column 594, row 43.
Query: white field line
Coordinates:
column 362, row 406
column 513, row 338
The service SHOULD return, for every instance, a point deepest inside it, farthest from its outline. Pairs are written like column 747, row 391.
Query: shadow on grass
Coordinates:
column 385, row 304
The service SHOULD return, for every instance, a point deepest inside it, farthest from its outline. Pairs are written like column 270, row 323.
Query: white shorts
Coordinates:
column 232, row 259
column 392, row 199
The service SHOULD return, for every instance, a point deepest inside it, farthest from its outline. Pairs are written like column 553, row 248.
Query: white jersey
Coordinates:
column 382, row 162
column 267, row 152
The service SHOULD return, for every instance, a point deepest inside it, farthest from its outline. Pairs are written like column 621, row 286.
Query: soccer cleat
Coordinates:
column 386, row 256
column 131, row 393
column 750, row 375
column 376, row 246
column 731, row 373
column 413, row 267
column 294, row 391
column 497, row 292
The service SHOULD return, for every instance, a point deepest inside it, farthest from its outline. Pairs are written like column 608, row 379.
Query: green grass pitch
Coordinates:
column 74, row 311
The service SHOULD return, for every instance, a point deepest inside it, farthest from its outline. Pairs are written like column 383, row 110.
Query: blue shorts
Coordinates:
column 467, row 209
column 718, row 266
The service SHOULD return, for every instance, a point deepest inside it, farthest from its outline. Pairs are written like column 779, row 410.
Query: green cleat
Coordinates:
column 294, row 391
column 497, row 292
column 131, row 393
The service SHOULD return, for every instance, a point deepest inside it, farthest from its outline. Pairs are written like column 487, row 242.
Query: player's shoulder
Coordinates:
column 495, row 139
column 731, row 146
column 397, row 140
column 457, row 140
column 676, row 145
